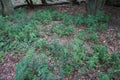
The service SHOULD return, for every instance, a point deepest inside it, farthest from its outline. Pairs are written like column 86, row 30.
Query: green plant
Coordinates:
column 101, row 17
column 92, row 28
column 34, row 67
column 2, row 22
column 56, row 49
column 78, row 20
column 103, row 56
column 1, row 56
column 103, row 26
column 24, row 33
column 103, row 76
column 93, row 37
column 67, row 19
column 78, row 53
column 58, row 16
column 67, row 69
column 19, row 16
column 62, row 29
column 114, row 69
column 90, row 20
column 17, row 34
column 97, row 22
column 55, row 60
column 44, row 16
column 93, row 61
column 81, row 35
column 40, row 44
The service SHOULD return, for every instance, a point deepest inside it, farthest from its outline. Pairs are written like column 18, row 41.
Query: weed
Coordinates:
column 62, row 29
column 103, row 76
column 93, row 61
column 43, row 61
column 88, row 35
column 67, row 19
column 90, row 20
column 101, row 17
column 34, row 67
column 78, row 20
column 81, row 35
column 16, row 34
column 92, row 28
column 103, row 53
column 78, row 53
column 2, row 22
column 103, row 26
column 58, row 16
column 56, row 49
column 67, row 69
column 44, row 16
column 114, row 69
column 98, row 22
column 92, row 37
column 1, row 56
column 40, row 44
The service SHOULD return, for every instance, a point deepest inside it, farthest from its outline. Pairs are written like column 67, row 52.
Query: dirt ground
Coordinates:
column 7, row 68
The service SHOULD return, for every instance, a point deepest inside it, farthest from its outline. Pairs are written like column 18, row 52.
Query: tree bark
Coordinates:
column 1, row 7
column 30, row 3
column 7, row 7
column 74, row 2
column 44, row 2
column 115, row 3
column 93, row 6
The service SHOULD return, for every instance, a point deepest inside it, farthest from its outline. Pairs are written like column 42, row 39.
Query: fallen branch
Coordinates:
column 37, row 5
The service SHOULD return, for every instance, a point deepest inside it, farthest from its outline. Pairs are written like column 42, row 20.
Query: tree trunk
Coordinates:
column 115, row 3
column 30, row 3
column 7, row 7
column 93, row 6
column 1, row 7
column 74, row 2
column 44, row 2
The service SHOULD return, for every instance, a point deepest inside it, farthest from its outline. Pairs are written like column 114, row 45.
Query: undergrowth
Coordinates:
column 21, row 32
column 61, row 29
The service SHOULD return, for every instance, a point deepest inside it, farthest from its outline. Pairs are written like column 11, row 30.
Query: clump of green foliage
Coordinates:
column 97, row 22
column 34, row 67
column 1, row 56
column 102, row 53
column 43, row 16
column 78, row 20
column 62, row 29
column 89, row 35
column 15, row 34
column 67, row 19
column 19, row 34
column 40, row 44
column 58, row 16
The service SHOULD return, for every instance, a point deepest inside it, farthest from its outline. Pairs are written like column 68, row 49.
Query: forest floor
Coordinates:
column 7, row 68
